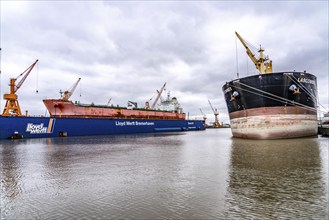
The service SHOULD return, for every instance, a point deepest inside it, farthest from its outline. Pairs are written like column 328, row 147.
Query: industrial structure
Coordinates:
column 216, row 123
column 12, row 107
column 68, row 93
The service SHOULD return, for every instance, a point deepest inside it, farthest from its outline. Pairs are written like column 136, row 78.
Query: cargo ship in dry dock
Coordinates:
column 271, row 105
column 75, row 119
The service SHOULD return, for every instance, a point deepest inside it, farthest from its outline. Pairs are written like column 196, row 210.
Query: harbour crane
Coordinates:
column 12, row 107
column 68, row 93
column 263, row 64
column 158, row 96
column 216, row 123
column 204, row 116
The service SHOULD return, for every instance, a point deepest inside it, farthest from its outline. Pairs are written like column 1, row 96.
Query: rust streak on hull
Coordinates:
column 59, row 108
column 273, row 123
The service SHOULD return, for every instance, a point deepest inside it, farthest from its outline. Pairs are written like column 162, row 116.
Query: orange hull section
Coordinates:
column 61, row 108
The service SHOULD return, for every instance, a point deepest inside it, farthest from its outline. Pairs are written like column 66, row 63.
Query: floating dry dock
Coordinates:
column 75, row 119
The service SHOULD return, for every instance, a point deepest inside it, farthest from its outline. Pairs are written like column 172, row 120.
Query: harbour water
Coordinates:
column 193, row 175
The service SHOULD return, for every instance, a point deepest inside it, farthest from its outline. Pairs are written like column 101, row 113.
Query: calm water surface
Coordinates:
column 193, row 175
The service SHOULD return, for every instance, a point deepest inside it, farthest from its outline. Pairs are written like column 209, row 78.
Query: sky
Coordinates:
column 126, row 50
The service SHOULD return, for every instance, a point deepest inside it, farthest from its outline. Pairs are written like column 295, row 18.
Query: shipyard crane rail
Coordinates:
column 68, row 93
column 263, row 64
column 12, row 107
column 216, row 123
column 158, row 96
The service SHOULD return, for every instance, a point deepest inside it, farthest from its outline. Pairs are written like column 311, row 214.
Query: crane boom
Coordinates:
column 158, row 96
column 68, row 93
column 211, row 107
column 263, row 64
column 26, row 72
column 248, row 51
column 12, row 107
column 204, row 116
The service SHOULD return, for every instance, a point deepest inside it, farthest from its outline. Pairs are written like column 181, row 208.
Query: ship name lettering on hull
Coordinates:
column 229, row 89
column 36, row 128
column 133, row 123
column 305, row 80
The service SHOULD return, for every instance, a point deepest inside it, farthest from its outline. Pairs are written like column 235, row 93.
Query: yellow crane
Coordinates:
column 68, row 93
column 216, row 123
column 12, row 106
column 263, row 64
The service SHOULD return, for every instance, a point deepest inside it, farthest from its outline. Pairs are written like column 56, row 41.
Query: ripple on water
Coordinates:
column 193, row 175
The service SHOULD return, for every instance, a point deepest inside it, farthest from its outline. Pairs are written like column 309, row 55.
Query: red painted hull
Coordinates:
column 61, row 108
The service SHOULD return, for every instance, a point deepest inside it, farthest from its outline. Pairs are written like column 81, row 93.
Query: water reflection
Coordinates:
column 194, row 175
column 276, row 179
column 78, row 177
column 10, row 176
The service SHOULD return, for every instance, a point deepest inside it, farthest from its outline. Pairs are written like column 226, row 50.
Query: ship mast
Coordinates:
column 263, row 64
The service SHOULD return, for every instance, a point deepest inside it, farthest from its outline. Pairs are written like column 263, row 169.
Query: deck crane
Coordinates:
column 108, row 103
column 216, row 123
column 68, row 93
column 263, row 64
column 158, row 96
column 12, row 106
column 132, row 105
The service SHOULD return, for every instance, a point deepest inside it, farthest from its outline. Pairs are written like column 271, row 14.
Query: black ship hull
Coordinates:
column 272, row 106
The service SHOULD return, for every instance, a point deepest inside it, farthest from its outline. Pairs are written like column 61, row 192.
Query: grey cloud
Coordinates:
column 127, row 50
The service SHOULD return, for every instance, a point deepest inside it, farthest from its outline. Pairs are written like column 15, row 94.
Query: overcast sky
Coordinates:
column 127, row 50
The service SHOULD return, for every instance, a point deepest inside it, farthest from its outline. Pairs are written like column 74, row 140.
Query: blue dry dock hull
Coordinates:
column 41, row 127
